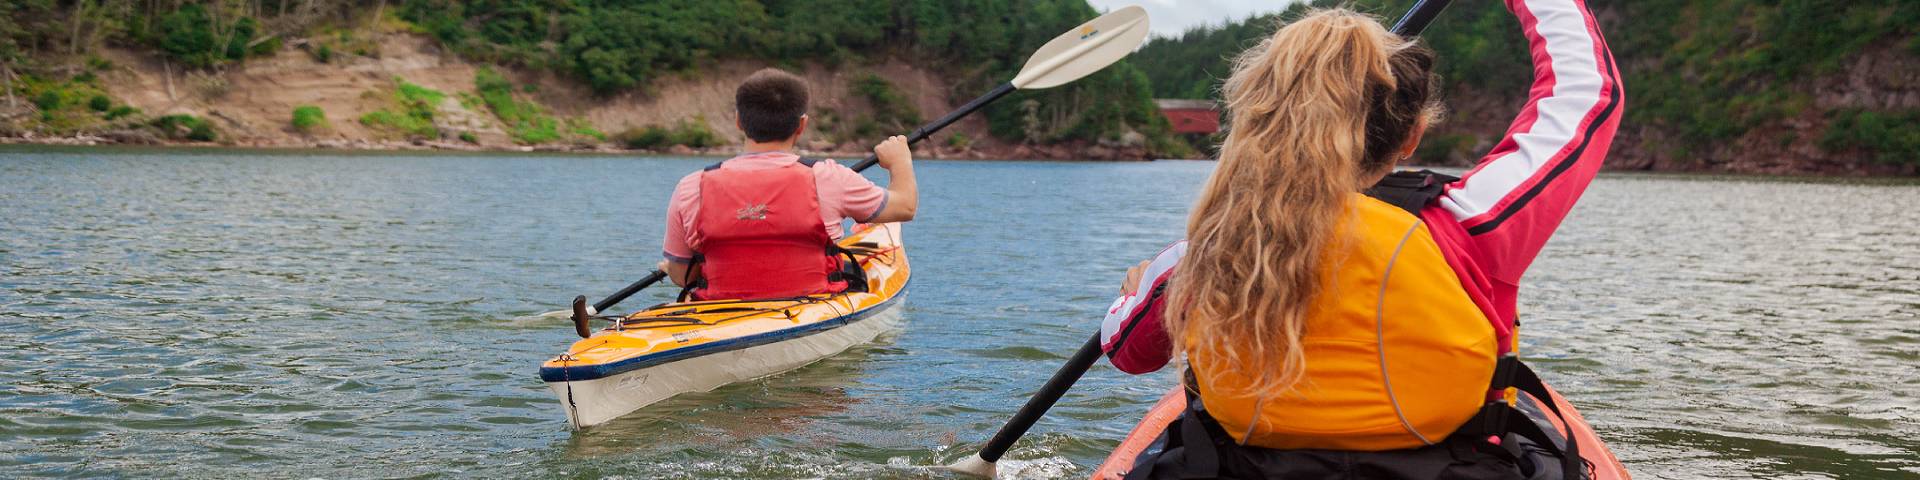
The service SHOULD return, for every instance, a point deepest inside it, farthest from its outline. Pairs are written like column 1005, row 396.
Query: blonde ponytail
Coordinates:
column 1299, row 107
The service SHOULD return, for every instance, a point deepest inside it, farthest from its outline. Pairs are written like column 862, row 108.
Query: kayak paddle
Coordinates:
column 1079, row 52
column 983, row 463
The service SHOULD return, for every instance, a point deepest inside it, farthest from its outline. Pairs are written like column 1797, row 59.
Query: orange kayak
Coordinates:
column 1598, row 456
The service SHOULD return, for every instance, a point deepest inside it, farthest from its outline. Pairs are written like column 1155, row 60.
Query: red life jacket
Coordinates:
column 759, row 234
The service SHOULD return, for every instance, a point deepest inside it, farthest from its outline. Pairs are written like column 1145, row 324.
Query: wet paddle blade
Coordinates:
column 975, row 466
column 1085, row 49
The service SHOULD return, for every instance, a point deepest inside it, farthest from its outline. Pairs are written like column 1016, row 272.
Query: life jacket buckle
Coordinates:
column 1494, row 414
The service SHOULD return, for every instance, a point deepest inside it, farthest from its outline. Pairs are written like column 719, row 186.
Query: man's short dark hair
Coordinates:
column 770, row 104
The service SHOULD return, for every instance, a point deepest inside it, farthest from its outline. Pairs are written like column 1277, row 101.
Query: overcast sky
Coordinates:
column 1170, row 17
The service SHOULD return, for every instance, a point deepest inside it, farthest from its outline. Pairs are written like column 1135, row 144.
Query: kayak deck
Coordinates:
column 677, row 348
column 1144, row 436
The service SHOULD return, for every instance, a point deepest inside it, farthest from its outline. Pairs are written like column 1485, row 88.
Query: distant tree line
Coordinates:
column 1707, row 71
column 617, row 46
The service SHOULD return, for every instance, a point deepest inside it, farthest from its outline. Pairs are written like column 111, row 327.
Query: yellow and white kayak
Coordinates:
column 677, row 348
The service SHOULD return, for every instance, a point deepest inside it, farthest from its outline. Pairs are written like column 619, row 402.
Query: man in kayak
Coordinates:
column 1338, row 330
column 763, row 224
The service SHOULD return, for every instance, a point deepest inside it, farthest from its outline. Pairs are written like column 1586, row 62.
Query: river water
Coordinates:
column 179, row 313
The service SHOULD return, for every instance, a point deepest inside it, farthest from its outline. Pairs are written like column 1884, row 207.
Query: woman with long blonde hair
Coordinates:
column 1337, row 316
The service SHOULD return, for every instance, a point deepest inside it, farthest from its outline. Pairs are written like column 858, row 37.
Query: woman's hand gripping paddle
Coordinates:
column 982, row 464
column 1077, row 53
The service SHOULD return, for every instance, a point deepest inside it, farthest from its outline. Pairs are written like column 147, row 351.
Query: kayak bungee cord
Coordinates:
column 674, row 318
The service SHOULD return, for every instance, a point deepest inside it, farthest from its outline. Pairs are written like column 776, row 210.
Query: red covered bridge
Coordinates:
column 1191, row 116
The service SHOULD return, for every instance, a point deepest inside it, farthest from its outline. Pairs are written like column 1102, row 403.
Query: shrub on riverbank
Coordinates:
column 185, row 127
column 691, row 133
column 1888, row 137
column 309, row 118
column 645, row 138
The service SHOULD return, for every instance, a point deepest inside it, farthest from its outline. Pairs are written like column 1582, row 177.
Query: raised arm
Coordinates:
column 1516, row 197
column 1132, row 334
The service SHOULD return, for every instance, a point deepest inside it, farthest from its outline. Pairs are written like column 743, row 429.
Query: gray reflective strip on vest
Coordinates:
column 1380, row 338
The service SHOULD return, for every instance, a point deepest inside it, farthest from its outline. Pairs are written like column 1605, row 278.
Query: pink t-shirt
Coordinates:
column 843, row 194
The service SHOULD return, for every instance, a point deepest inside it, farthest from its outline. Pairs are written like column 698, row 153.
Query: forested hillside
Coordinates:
column 52, row 51
column 1781, row 86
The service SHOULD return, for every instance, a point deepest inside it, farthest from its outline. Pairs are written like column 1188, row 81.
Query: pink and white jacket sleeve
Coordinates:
column 1496, row 218
column 1132, row 334
column 1514, row 199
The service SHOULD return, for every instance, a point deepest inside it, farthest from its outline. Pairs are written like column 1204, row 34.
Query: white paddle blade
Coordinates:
column 975, row 466
column 1085, row 49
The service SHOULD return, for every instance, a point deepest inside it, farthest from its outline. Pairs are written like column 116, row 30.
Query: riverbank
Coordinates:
column 1061, row 152
column 406, row 92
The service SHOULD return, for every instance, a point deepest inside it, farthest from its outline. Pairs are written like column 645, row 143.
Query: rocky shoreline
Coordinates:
column 1065, row 151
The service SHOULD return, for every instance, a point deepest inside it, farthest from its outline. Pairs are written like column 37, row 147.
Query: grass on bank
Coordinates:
column 411, row 113
column 68, row 106
column 526, row 121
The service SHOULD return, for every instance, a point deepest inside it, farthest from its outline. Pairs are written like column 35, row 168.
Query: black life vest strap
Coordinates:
column 1411, row 190
column 1572, row 465
column 1500, row 418
column 804, row 162
column 695, row 281
column 1495, row 415
column 1198, row 432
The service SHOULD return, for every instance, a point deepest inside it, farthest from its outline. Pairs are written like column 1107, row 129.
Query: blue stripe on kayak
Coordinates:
column 591, row 372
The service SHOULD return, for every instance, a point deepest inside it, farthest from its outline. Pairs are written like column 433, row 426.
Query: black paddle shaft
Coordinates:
column 1414, row 22
column 929, row 129
column 1419, row 17
column 606, row 303
column 918, row 134
column 1042, row 400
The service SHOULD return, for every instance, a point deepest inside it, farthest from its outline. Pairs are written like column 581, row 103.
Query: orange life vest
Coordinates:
column 1397, row 355
column 759, row 235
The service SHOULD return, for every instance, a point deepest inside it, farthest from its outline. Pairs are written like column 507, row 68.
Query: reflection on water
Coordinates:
column 779, row 406
column 183, row 313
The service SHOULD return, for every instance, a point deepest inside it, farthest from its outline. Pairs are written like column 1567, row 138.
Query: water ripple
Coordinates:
column 185, row 313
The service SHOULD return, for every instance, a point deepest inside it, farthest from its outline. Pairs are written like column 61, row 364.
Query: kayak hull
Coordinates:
column 677, row 348
column 592, row 402
column 1144, row 435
